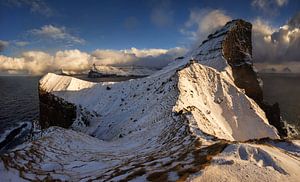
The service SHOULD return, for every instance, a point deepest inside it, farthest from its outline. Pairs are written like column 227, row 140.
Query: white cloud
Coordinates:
column 139, row 57
column 3, row 45
column 51, row 32
column 33, row 62
column 281, row 2
column 35, row 6
column 269, row 7
column 37, row 62
column 73, row 60
column 203, row 22
column 276, row 45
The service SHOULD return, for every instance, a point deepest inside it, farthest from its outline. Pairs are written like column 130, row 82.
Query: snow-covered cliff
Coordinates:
column 187, row 118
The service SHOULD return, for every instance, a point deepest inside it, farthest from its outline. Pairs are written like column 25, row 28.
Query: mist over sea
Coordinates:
column 19, row 100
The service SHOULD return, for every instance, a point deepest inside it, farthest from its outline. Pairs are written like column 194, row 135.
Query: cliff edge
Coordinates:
column 181, row 123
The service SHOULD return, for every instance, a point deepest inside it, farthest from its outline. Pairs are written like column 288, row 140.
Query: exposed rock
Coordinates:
column 55, row 111
column 237, row 50
column 274, row 117
column 236, row 46
column 170, row 126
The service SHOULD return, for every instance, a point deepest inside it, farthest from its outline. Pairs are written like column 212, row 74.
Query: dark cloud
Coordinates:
column 3, row 45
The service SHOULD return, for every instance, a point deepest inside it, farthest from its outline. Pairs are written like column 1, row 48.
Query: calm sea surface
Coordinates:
column 19, row 99
column 284, row 89
column 18, row 108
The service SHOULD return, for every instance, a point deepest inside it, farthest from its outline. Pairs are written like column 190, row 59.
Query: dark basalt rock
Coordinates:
column 55, row 111
column 273, row 114
column 237, row 50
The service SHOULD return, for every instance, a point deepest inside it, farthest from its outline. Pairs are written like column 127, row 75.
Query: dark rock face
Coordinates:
column 237, row 50
column 54, row 111
column 94, row 74
column 273, row 114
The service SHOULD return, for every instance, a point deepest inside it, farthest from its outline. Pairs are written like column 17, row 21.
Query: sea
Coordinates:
column 19, row 103
column 284, row 88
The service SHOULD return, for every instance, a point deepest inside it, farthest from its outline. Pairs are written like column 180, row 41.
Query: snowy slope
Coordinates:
column 253, row 162
column 217, row 105
column 165, row 127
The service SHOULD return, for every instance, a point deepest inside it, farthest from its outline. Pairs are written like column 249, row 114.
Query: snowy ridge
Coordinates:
column 52, row 82
column 123, row 71
column 197, row 88
column 168, row 126
column 210, row 52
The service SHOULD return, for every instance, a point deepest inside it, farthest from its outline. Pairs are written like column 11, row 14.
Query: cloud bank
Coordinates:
column 276, row 45
column 270, row 45
column 37, row 62
column 203, row 22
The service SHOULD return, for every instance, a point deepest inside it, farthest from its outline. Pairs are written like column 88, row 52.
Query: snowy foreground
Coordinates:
column 186, row 122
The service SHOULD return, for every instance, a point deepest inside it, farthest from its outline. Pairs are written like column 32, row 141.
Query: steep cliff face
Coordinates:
column 232, row 46
column 54, row 111
column 165, row 127
column 237, row 50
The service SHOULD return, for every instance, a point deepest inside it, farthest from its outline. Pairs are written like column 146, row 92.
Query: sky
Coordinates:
column 38, row 34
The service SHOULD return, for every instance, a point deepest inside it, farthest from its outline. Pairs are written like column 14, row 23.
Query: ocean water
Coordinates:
column 19, row 104
column 18, row 108
column 284, row 88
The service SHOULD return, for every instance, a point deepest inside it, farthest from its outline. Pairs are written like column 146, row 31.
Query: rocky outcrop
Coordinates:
column 237, row 50
column 233, row 42
column 55, row 111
